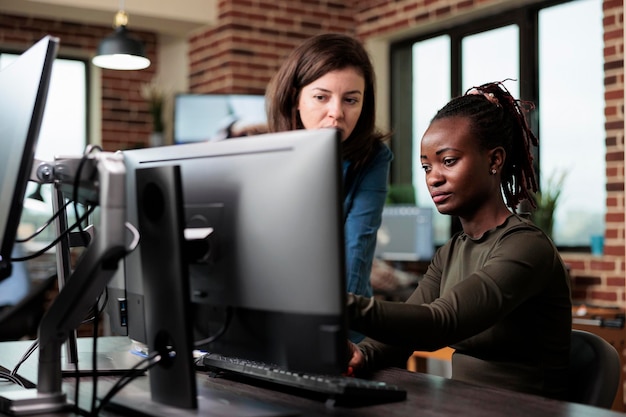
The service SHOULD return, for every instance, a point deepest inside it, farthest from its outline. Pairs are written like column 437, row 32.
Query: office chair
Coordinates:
column 22, row 319
column 594, row 371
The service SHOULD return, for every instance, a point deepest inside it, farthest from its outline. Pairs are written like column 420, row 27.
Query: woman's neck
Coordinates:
column 476, row 226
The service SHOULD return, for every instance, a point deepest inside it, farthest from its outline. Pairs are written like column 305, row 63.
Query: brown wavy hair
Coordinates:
column 313, row 59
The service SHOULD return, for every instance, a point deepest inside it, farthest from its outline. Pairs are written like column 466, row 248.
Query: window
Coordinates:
column 538, row 46
column 431, row 90
column 571, row 132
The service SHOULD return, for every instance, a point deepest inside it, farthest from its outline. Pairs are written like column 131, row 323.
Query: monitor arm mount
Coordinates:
column 101, row 181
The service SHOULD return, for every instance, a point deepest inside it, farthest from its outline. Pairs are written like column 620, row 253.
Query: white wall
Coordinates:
column 173, row 74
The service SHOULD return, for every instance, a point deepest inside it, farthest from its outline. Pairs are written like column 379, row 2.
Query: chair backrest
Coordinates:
column 595, row 369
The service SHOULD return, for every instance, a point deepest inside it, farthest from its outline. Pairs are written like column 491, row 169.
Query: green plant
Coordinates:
column 547, row 199
column 401, row 194
column 155, row 97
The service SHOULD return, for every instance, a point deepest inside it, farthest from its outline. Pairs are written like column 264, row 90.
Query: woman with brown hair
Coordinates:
column 328, row 82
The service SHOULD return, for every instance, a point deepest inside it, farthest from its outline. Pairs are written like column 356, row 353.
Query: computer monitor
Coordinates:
column 207, row 117
column 274, row 260
column 23, row 92
column 405, row 234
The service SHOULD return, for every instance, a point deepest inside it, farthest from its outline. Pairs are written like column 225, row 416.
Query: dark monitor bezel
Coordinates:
column 30, row 76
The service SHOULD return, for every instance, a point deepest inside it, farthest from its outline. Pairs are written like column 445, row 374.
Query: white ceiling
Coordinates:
column 177, row 18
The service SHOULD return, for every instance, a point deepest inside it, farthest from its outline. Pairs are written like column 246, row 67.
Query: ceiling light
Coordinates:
column 120, row 50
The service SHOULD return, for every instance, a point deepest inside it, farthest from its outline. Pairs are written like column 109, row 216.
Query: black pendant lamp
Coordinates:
column 120, row 50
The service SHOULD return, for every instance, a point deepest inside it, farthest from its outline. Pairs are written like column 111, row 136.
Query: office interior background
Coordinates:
column 566, row 56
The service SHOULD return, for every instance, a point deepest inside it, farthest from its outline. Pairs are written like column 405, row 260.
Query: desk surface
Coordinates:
column 428, row 395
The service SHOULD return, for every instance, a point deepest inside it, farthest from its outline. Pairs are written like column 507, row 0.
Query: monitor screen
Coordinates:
column 24, row 88
column 208, row 117
column 406, row 234
column 275, row 256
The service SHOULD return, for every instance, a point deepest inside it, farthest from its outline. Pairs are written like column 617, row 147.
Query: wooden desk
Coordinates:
column 428, row 396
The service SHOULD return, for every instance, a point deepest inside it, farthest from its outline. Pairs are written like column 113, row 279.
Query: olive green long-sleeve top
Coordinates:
column 502, row 301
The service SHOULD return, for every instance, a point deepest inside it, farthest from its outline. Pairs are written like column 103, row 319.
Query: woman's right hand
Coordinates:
column 356, row 360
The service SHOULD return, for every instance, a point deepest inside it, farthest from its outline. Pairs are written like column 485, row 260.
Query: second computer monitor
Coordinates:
column 24, row 90
column 271, row 269
column 406, row 234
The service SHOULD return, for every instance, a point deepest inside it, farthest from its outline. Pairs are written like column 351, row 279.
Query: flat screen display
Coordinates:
column 24, row 89
column 210, row 117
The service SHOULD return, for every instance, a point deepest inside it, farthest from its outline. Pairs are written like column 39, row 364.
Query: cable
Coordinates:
column 11, row 378
column 220, row 332
column 45, row 226
column 76, row 187
column 55, row 241
column 98, row 308
column 152, row 359
column 94, row 361
column 76, row 385
column 79, row 219
column 33, row 347
column 133, row 244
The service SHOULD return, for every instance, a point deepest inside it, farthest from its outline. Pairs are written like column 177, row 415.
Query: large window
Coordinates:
column 552, row 54
column 571, row 132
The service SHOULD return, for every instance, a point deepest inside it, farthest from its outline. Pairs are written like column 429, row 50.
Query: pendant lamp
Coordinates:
column 120, row 50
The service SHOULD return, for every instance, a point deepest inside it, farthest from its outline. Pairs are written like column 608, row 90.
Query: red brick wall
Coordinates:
column 125, row 116
column 242, row 52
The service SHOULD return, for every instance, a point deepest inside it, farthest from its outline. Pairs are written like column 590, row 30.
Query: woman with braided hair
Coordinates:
column 497, row 292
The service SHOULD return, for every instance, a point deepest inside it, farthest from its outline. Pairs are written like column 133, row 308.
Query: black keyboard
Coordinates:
column 338, row 389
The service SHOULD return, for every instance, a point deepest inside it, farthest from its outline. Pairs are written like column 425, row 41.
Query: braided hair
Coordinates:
column 498, row 119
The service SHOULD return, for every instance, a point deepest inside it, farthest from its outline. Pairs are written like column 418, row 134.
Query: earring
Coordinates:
column 493, row 171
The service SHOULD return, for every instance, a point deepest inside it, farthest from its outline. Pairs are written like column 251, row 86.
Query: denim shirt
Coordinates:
column 365, row 194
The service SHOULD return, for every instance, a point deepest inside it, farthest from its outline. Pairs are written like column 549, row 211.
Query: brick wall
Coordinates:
column 242, row 52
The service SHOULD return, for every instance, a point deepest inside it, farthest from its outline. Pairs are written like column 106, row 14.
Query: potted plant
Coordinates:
column 547, row 199
column 401, row 194
column 155, row 97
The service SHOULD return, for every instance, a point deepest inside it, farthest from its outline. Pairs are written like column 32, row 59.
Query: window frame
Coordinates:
column 526, row 17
